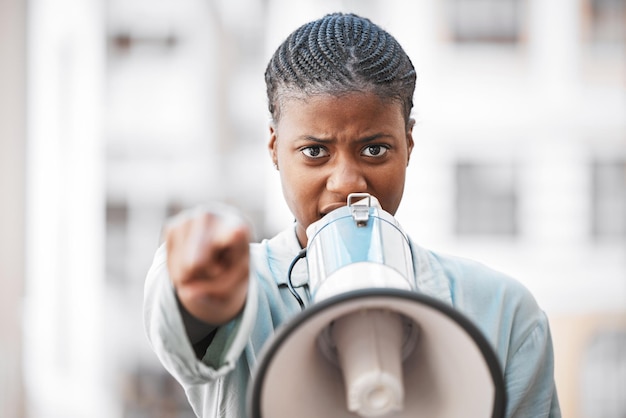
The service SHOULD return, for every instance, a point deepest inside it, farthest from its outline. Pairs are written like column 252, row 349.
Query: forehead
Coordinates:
column 340, row 108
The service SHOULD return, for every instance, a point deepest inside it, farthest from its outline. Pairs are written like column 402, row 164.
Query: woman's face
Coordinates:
column 327, row 147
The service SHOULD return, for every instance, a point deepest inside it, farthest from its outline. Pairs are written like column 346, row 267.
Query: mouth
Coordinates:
column 329, row 208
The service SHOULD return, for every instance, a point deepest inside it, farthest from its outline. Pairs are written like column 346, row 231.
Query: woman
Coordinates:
column 340, row 95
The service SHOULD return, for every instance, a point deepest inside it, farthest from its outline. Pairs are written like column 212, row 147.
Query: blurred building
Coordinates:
column 137, row 109
column 12, row 218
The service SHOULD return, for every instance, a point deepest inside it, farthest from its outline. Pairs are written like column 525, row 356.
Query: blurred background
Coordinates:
column 115, row 114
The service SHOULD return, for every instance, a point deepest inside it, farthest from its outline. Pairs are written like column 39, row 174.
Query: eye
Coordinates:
column 314, row 152
column 375, row 150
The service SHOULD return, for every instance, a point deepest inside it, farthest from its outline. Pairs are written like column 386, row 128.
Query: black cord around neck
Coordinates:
column 300, row 255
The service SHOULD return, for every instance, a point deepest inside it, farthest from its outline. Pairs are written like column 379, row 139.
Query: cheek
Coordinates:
column 294, row 189
column 398, row 182
column 390, row 179
column 389, row 186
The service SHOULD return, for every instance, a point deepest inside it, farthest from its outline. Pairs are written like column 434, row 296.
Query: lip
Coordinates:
column 331, row 207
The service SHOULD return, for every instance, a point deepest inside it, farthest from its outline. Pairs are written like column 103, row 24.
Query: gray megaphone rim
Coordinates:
column 268, row 353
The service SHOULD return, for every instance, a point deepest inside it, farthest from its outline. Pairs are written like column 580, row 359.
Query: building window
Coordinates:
column 150, row 393
column 486, row 199
column 607, row 21
column 609, row 199
column 486, row 21
column 604, row 376
column 116, row 244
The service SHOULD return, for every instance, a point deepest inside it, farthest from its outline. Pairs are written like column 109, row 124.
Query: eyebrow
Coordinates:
column 363, row 140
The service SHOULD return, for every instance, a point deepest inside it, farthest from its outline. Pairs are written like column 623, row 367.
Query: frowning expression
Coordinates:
column 327, row 147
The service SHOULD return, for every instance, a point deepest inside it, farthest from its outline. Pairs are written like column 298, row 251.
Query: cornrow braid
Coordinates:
column 337, row 54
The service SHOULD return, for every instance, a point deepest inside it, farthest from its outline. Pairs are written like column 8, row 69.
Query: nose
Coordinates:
column 346, row 177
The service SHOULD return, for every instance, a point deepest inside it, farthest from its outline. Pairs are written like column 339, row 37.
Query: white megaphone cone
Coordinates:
column 371, row 345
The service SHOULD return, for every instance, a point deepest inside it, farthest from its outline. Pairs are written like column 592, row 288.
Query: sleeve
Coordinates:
column 529, row 376
column 509, row 316
column 166, row 333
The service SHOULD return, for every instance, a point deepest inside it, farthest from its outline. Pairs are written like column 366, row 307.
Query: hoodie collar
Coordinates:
column 281, row 251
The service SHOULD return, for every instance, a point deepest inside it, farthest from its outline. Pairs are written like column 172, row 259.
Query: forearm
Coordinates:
column 199, row 332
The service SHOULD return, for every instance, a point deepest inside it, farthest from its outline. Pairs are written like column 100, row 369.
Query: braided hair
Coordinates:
column 337, row 54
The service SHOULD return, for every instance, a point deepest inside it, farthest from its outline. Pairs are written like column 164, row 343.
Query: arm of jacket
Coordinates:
column 529, row 375
column 510, row 318
column 217, row 384
column 165, row 330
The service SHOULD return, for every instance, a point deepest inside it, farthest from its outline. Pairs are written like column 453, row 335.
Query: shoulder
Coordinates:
column 473, row 279
column 499, row 304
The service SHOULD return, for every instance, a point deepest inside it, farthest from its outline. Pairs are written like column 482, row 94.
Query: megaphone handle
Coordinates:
column 369, row 347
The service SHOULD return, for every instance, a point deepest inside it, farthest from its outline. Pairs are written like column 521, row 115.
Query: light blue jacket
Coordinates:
column 502, row 308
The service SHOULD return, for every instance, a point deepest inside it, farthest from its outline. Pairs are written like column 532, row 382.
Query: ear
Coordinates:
column 409, row 139
column 272, row 145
